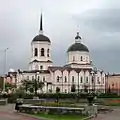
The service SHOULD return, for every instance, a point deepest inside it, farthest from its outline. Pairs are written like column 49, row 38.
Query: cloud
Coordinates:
column 98, row 22
column 103, row 20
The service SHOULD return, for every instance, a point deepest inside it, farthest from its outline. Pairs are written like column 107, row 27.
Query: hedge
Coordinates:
column 12, row 97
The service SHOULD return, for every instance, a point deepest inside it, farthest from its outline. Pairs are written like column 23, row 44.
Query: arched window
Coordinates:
column 103, row 80
column 36, row 67
column 65, row 79
column 73, row 79
column 86, row 59
column 48, row 52
column 38, row 78
column 57, row 89
column 36, row 52
column 98, row 80
column 58, row 78
column 42, row 52
column 41, row 67
column 81, row 58
column 27, row 77
column 43, row 78
column 81, row 79
column 86, row 79
column 73, row 58
column 32, row 77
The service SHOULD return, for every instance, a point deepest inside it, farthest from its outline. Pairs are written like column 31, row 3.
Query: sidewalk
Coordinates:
column 115, row 115
column 7, row 113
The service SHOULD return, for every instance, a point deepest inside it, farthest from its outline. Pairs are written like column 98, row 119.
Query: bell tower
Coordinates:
column 40, row 51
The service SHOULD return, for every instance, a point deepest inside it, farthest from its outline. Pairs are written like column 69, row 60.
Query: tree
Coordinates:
column 27, row 84
column 73, row 88
column 1, row 82
column 9, row 86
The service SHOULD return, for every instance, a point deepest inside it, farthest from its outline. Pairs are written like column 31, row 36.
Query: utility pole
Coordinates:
column 5, row 68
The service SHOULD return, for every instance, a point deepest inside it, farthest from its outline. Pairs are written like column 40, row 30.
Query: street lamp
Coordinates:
column 93, row 73
column 36, row 83
column 5, row 50
column 90, row 96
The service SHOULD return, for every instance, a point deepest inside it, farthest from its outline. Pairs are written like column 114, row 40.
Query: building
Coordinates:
column 113, row 83
column 11, row 77
column 78, row 71
column 1, row 83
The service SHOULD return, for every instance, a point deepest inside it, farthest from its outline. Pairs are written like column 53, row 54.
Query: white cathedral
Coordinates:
column 78, row 71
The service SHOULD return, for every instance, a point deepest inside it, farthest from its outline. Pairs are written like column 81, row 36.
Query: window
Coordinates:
column 41, row 67
column 36, row 67
column 48, row 52
column 86, row 59
column 38, row 78
column 73, row 58
column 57, row 78
column 72, row 79
column 65, row 79
column 43, row 78
column 27, row 77
column 81, row 79
column 86, row 79
column 98, row 80
column 81, row 58
column 42, row 51
column 36, row 52
column 32, row 77
column 65, row 90
column 103, row 80
column 57, row 89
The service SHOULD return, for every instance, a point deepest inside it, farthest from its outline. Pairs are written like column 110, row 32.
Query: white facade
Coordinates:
column 77, row 71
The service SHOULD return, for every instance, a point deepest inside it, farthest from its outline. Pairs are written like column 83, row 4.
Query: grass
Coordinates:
column 59, row 117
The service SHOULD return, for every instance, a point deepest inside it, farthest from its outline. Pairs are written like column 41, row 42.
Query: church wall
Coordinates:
column 75, row 57
column 58, row 76
column 40, row 45
column 80, row 66
column 36, row 65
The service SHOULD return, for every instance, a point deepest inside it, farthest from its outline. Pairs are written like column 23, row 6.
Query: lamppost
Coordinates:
column 91, row 96
column 36, row 83
column 78, row 89
column 61, row 78
column 93, row 73
column 5, row 50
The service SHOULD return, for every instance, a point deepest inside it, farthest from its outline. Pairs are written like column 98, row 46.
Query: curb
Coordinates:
column 34, row 117
column 37, row 118
column 88, row 118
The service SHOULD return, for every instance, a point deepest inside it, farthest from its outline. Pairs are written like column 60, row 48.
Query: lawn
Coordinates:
column 60, row 117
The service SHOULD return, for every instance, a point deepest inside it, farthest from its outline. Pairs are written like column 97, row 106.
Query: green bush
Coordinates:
column 110, row 95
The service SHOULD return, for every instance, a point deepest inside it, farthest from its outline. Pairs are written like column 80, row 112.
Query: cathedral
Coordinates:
column 78, row 72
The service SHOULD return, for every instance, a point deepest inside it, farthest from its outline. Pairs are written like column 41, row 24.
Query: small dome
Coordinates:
column 41, row 38
column 77, row 47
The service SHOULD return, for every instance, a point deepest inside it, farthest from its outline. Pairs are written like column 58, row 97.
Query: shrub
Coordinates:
column 108, row 95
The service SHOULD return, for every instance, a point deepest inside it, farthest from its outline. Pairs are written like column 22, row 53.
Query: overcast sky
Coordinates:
column 97, row 20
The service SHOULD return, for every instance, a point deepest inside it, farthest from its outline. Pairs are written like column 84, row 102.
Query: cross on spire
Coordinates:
column 41, row 25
